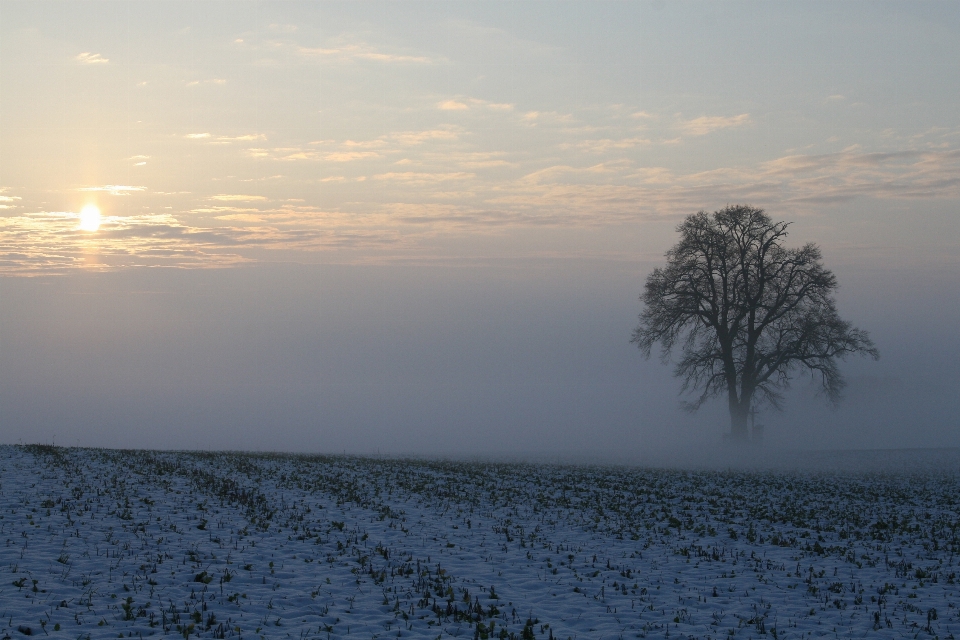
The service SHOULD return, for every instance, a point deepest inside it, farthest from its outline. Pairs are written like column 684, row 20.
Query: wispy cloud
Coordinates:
column 249, row 137
column 8, row 202
column 708, row 124
column 801, row 181
column 90, row 58
column 605, row 145
column 220, row 139
column 535, row 118
column 355, row 52
column 49, row 242
column 386, row 143
column 350, row 156
column 283, row 154
column 419, row 137
column 452, row 105
column 363, row 144
column 464, row 104
column 231, row 197
column 114, row 189
column 421, row 178
column 356, row 150
column 480, row 160
column 195, row 83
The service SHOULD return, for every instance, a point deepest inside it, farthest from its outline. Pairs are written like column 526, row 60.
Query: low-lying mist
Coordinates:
column 498, row 362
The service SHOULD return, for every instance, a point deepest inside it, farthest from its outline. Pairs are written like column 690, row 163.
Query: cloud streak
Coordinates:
column 90, row 58
column 114, row 189
column 360, row 52
column 708, row 124
column 230, row 197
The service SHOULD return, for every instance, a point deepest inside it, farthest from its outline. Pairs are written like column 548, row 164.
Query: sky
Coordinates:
column 422, row 228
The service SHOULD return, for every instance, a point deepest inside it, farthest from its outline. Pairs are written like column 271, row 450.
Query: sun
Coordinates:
column 90, row 218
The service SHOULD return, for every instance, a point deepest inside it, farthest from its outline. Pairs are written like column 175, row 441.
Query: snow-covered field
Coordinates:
column 107, row 544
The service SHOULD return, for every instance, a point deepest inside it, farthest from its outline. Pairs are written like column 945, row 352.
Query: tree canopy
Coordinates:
column 746, row 312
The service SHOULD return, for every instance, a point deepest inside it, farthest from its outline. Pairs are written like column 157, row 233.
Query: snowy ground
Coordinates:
column 107, row 544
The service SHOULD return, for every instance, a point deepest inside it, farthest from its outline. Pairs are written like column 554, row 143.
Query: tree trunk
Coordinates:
column 739, row 412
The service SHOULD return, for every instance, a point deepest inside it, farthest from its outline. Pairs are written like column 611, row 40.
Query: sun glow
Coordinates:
column 90, row 218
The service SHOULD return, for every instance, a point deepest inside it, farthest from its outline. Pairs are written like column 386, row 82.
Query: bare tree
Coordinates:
column 746, row 312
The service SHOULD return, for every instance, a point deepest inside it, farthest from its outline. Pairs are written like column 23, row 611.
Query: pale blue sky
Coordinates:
column 461, row 147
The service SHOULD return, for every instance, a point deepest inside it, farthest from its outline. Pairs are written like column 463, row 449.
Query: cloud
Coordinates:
column 246, row 137
column 363, row 144
column 90, row 58
column 287, row 154
column 243, row 138
column 534, row 118
column 349, row 150
column 407, row 186
column 419, row 178
column 605, row 145
column 419, row 137
column 708, row 124
column 115, row 189
column 388, row 57
column 801, row 181
column 446, row 158
column 556, row 171
column 230, row 197
column 49, row 243
column 194, row 83
column 907, row 174
column 225, row 209
column 485, row 164
column 452, row 105
column 297, row 154
column 350, row 156
column 458, row 105
column 357, row 150
column 354, row 52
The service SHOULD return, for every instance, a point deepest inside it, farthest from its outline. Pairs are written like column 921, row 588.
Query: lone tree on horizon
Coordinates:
column 746, row 312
